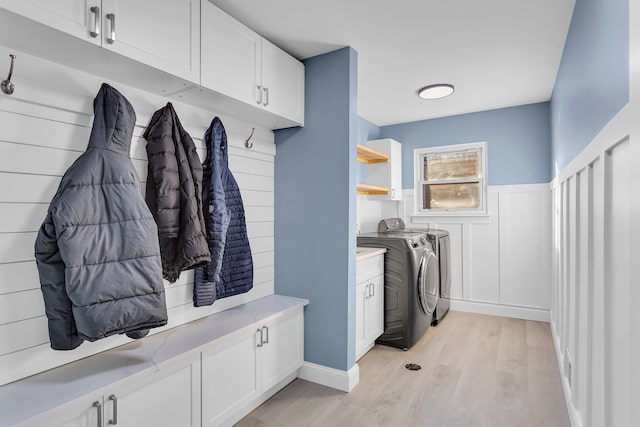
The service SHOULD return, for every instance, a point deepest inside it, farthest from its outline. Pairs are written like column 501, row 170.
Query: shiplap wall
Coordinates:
column 44, row 127
column 595, row 298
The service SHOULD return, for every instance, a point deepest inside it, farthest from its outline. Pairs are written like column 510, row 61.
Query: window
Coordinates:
column 451, row 180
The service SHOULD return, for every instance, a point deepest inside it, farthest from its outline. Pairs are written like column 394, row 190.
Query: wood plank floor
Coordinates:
column 477, row 370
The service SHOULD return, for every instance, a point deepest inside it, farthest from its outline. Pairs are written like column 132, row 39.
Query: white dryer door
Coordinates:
column 428, row 282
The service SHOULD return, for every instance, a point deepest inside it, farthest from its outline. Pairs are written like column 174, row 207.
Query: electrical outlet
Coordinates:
column 568, row 364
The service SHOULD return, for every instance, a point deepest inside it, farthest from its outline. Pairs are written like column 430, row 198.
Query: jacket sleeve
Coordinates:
column 163, row 181
column 58, row 307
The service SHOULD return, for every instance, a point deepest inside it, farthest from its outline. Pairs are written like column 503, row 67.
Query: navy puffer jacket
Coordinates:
column 97, row 251
column 231, row 269
column 174, row 194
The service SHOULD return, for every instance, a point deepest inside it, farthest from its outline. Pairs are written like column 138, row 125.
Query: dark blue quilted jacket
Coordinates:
column 231, row 269
column 97, row 250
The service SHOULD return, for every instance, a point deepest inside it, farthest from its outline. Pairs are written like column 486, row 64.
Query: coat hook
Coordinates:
column 246, row 143
column 7, row 86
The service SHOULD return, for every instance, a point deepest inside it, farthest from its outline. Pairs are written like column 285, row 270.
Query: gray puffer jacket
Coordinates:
column 97, row 251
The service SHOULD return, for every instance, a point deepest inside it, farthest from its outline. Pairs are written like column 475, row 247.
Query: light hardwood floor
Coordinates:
column 477, row 370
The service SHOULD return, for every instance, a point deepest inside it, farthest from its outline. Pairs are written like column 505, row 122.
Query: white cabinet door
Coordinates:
column 82, row 413
column 375, row 309
column 369, row 303
column 282, row 82
column 230, row 377
column 166, row 37
column 69, row 16
column 282, row 351
column 230, row 56
column 168, row 397
column 240, row 64
column 361, row 295
column 387, row 174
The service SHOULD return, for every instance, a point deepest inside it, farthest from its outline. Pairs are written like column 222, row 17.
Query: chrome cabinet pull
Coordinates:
column 98, row 406
column 96, row 23
column 114, row 419
column 261, row 340
column 259, row 95
column 112, row 17
column 373, row 290
column 266, row 329
column 266, row 96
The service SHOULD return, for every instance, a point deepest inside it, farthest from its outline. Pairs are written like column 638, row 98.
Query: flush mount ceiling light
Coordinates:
column 436, row 91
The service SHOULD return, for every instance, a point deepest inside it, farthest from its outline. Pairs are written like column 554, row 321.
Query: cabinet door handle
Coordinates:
column 112, row 17
column 259, row 94
column 373, row 290
column 266, row 96
column 98, row 406
column 114, row 419
column 261, row 340
column 96, row 23
column 266, row 330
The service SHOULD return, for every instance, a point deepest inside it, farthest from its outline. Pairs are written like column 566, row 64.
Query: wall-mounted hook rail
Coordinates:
column 7, row 86
column 246, row 143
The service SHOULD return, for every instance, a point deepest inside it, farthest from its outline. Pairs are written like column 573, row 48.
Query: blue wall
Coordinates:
column 518, row 141
column 593, row 80
column 315, row 209
column 367, row 131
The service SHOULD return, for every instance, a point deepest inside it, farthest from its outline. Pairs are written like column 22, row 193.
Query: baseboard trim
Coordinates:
column 330, row 377
column 526, row 313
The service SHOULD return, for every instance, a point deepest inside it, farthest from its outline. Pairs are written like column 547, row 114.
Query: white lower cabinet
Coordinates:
column 237, row 374
column 168, row 397
column 369, row 303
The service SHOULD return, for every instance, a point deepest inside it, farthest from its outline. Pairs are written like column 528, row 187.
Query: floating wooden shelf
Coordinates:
column 371, row 189
column 368, row 155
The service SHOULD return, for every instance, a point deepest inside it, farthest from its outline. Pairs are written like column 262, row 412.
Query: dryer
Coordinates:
column 440, row 243
column 410, row 285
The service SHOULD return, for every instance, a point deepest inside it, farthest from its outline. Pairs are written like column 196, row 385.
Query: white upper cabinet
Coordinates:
column 387, row 174
column 77, row 18
column 282, row 83
column 231, row 56
column 166, row 38
column 242, row 65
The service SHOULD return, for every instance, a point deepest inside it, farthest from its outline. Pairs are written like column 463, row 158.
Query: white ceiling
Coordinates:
column 497, row 53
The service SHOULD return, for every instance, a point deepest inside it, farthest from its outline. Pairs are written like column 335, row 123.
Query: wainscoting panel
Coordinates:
column 501, row 262
column 593, row 306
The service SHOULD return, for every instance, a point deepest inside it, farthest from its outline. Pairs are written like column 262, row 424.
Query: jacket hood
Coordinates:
column 113, row 123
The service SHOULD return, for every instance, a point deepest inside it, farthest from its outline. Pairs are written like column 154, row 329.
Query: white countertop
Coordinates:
column 38, row 394
column 364, row 253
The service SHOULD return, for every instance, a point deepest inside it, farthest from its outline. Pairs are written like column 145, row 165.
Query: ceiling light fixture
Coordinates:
column 436, row 91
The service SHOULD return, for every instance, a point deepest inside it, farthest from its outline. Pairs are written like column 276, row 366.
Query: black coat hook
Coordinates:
column 246, row 143
column 6, row 85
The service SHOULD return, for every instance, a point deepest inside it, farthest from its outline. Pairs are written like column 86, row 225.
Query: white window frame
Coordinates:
column 418, row 155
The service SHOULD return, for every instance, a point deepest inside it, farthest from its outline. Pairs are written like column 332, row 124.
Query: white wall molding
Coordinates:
column 596, row 232
column 330, row 377
column 504, row 258
column 526, row 313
